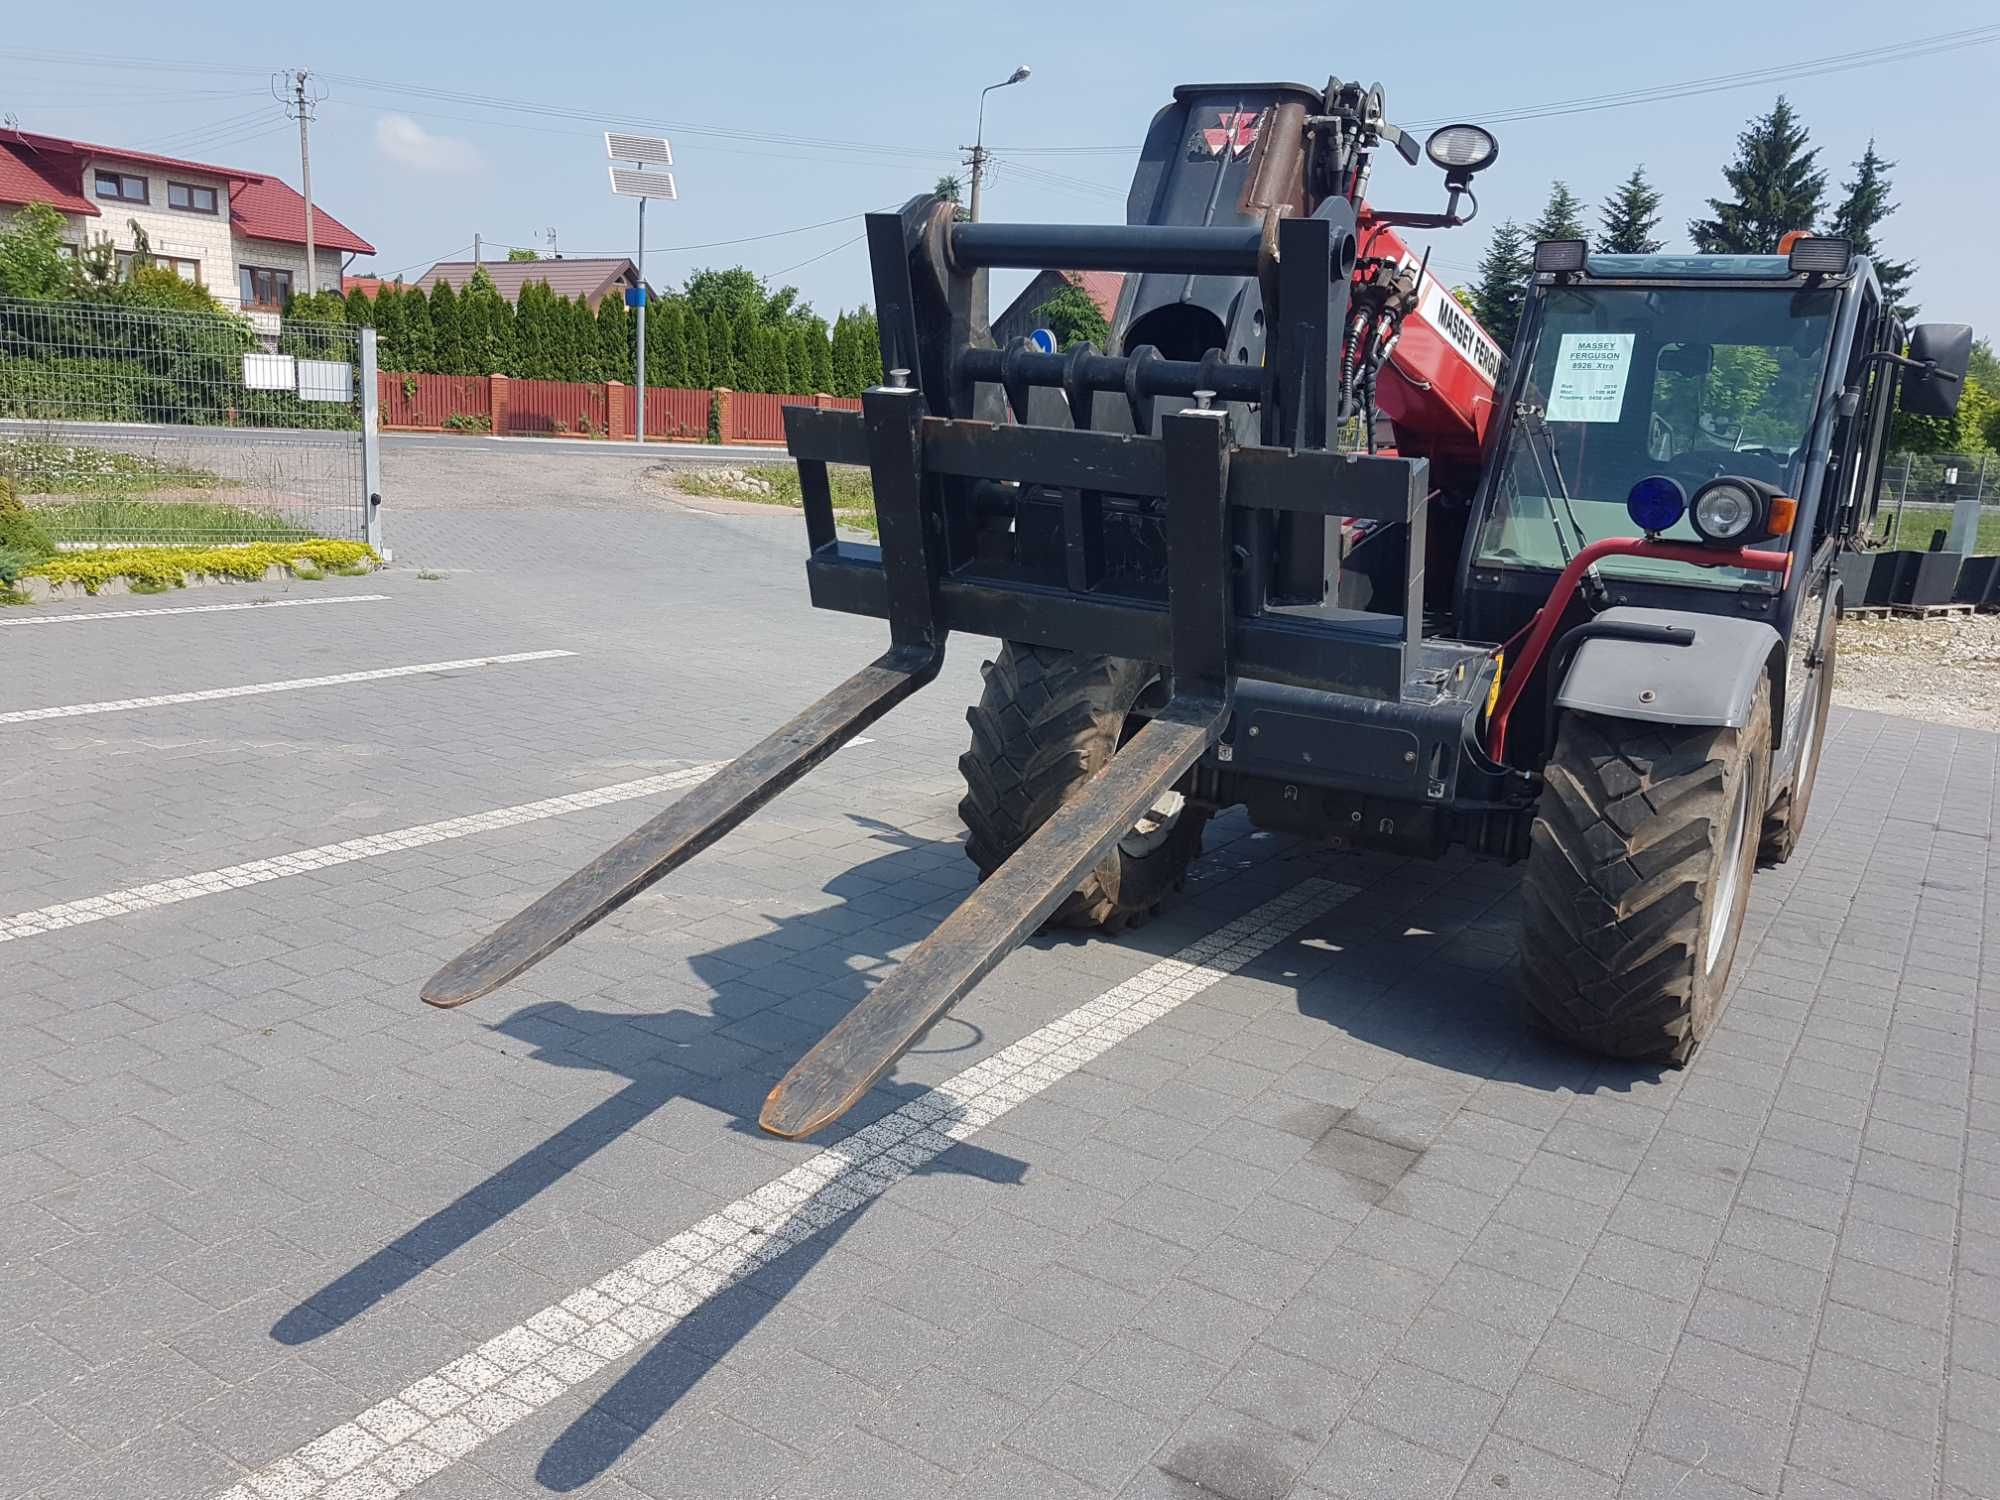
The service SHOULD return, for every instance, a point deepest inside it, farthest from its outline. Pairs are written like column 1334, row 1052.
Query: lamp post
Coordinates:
column 636, row 182
column 978, row 159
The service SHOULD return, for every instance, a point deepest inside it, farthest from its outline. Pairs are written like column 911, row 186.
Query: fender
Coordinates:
column 1711, row 680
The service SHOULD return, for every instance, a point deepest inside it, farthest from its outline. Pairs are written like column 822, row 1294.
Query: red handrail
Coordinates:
column 1550, row 615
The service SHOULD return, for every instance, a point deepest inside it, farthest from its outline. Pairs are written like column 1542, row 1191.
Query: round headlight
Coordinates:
column 1655, row 503
column 1462, row 149
column 1724, row 511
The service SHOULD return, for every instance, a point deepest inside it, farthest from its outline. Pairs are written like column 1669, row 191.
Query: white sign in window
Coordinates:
column 1589, row 380
column 326, row 380
column 269, row 372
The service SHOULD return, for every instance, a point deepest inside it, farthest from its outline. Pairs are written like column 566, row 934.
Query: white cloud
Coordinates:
column 408, row 144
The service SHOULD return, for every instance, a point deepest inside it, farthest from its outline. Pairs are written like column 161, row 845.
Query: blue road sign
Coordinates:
column 1043, row 340
column 635, row 296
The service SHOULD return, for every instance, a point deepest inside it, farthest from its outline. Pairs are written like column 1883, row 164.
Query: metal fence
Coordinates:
column 1925, row 493
column 123, row 425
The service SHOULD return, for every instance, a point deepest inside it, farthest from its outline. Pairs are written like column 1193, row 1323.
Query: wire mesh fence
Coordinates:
column 1923, row 492
column 123, row 425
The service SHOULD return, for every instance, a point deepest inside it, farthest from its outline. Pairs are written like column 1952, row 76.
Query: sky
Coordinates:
column 784, row 116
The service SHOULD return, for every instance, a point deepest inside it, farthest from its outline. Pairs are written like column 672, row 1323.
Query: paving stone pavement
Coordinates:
column 1334, row 1225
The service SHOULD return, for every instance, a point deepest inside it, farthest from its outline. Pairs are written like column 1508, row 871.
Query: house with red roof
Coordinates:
column 240, row 234
column 1022, row 315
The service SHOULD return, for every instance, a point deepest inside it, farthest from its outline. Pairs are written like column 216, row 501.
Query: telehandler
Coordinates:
column 1305, row 541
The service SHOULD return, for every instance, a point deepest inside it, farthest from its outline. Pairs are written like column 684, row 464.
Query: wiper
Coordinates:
column 1530, row 418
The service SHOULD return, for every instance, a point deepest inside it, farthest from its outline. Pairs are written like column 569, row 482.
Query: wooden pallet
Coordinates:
column 1931, row 611
column 1866, row 612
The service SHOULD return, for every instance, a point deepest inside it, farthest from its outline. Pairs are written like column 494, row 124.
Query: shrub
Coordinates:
column 169, row 567
column 468, row 421
column 20, row 532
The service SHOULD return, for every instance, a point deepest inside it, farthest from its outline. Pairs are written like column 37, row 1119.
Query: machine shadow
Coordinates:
column 679, row 1359
column 663, row 1056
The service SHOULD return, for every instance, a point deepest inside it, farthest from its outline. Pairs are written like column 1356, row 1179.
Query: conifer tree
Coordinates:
column 1561, row 217
column 616, row 354
column 867, row 350
column 419, row 339
column 1864, row 207
column 722, row 351
column 1630, row 216
column 750, row 370
column 821, row 352
column 391, row 352
column 694, row 338
column 1774, row 184
column 1502, row 287
column 361, row 312
column 447, row 332
column 798, row 359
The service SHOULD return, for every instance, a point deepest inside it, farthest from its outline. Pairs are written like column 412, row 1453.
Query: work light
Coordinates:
column 1561, row 255
column 1462, row 150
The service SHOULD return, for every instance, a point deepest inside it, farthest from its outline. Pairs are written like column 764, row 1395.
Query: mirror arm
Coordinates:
column 1928, row 368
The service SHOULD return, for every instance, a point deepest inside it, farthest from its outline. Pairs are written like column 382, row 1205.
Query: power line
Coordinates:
column 773, row 275
column 1840, row 62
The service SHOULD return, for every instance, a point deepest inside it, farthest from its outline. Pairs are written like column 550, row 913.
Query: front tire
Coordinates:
column 1638, row 875
column 1045, row 723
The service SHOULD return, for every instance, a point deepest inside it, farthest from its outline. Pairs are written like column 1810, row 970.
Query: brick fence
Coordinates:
column 513, row 407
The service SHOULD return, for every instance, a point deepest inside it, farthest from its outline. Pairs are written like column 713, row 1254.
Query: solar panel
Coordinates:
column 629, row 182
column 654, row 150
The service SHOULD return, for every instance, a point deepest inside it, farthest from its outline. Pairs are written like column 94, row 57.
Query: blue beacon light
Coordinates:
column 1655, row 503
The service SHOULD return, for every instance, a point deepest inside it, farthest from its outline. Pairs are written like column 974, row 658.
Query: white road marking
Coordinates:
column 257, row 871
column 398, row 1443
column 252, row 689
column 192, row 609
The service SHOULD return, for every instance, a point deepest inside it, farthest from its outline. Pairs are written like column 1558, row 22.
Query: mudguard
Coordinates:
column 1710, row 680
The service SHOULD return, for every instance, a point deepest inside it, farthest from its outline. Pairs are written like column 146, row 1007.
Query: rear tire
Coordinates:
column 1045, row 723
column 1638, row 874
column 1785, row 823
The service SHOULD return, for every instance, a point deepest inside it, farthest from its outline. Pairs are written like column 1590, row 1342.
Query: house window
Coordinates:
column 189, row 198
column 121, row 187
column 263, row 288
column 187, row 270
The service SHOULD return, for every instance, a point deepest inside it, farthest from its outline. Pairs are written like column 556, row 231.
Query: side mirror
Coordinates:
column 1944, row 349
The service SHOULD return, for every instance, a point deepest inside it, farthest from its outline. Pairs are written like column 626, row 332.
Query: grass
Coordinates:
column 153, row 570
column 1919, row 521
column 136, row 520
column 40, row 466
column 778, row 484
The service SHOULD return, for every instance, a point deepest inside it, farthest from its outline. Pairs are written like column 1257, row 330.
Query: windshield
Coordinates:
column 1629, row 381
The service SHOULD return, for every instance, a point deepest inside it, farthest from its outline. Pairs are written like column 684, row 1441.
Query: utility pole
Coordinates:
column 299, row 102
column 977, row 159
column 635, row 181
column 475, row 251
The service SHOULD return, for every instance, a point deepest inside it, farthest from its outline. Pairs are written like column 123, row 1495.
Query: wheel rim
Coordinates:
column 1807, row 742
column 1155, row 827
column 1732, row 871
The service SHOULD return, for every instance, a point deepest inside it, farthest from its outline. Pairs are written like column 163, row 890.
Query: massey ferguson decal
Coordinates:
column 1233, row 133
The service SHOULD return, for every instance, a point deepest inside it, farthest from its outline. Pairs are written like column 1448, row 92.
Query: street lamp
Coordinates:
column 1019, row 75
column 636, row 181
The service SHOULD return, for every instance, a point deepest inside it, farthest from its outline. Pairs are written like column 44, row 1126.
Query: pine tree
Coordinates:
column 777, row 361
column 666, row 352
column 586, row 352
column 820, row 356
column 420, row 346
column 1502, row 288
column 1775, row 185
column 694, row 335
column 616, row 353
column 1630, row 216
column 1861, row 211
column 1561, row 217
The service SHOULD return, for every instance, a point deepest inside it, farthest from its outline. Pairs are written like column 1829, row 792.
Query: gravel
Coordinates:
column 1945, row 669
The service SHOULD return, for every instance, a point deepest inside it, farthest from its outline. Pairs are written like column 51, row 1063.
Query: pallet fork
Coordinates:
column 1219, row 502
